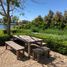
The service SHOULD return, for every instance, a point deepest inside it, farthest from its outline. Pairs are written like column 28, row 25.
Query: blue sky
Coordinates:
column 42, row 7
column 32, row 10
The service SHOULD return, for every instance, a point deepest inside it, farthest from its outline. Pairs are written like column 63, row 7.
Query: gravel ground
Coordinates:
column 8, row 59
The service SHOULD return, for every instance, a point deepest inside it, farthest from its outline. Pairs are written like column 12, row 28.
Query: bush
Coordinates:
column 3, row 39
column 14, row 31
column 4, row 31
column 35, row 29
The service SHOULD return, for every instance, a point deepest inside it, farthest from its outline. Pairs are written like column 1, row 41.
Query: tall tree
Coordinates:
column 65, row 17
column 38, row 21
column 57, row 19
column 6, row 7
column 50, row 14
column 48, row 18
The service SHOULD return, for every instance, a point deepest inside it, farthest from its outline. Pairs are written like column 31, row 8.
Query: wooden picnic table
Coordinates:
column 28, row 40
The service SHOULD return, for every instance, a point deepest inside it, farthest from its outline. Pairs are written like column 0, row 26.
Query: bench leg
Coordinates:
column 23, row 52
column 33, row 56
column 17, row 53
column 6, row 45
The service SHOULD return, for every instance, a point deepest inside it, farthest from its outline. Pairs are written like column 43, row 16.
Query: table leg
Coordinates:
column 17, row 53
column 41, row 43
column 29, row 49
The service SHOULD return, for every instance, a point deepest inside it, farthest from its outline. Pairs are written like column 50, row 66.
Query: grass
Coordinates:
column 55, row 31
column 56, row 39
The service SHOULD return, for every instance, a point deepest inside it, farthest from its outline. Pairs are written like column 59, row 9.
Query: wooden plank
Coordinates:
column 14, row 45
column 41, row 43
column 26, row 38
column 30, row 39
column 35, row 45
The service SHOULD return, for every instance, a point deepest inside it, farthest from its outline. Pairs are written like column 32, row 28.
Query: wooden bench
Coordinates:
column 15, row 46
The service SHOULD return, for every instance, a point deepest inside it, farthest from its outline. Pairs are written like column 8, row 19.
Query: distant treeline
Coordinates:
column 52, row 20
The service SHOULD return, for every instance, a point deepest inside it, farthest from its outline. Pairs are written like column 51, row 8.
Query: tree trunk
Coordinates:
column 8, row 26
column 8, row 18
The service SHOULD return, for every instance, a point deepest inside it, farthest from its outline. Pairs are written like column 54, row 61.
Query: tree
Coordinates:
column 48, row 18
column 65, row 17
column 6, row 7
column 64, row 20
column 50, row 14
column 57, row 19
column 38, row 21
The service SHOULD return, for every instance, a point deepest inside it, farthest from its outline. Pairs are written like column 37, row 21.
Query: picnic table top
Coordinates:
column 28, row 38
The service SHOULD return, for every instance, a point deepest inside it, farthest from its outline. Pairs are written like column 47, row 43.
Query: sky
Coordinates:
column 34, row 8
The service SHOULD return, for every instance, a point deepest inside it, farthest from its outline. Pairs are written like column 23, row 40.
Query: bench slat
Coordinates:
column 14, row 45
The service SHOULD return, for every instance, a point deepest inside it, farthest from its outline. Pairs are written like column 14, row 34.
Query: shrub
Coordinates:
column 35, row 29
column 4, row 31
column 3, row 39
column 14, row 31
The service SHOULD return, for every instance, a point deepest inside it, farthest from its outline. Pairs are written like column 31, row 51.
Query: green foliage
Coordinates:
column 3, row 38
column 55, row 31
column 48, row 19
column 35, row 29
column 14, row 19
column 65, row 16
column 15, row 2
column 38, row 21
column 28, row 25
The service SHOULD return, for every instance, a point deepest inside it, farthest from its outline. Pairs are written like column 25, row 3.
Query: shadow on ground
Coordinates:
column 45, row 60
column 22, row 57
